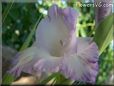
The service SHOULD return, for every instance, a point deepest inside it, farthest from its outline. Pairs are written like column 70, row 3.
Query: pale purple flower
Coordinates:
column 57, row 49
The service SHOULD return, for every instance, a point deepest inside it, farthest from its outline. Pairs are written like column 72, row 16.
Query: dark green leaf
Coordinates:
column 30, row 36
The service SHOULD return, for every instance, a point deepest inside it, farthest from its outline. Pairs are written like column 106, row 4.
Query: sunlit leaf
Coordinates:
column 47, row 79
column 60, row 79
column 56, row 78
column 104, row 33
column 30, row 36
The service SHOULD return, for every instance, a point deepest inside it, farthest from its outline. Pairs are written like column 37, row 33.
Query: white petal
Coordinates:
column 51, row 34
column 56, row 32
column 47, row 65
column 25, row 60
column 82, row 65
column 83, row 43
column 72, row 67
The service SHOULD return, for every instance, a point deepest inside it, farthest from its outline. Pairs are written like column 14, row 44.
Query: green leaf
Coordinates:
column 47, row 79
column 104, row 33
column 57, row 78
column 30, row 36
column 60, row 79
column 7, row 9
column 7, row 79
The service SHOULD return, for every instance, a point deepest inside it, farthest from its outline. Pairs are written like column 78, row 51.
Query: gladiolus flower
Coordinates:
column 57, row 49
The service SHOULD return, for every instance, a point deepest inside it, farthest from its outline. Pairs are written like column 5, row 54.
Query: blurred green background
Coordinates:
column 19, row 19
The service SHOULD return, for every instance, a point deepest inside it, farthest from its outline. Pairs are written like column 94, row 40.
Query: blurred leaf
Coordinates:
column 80, row 83
column 7, row 9
column 7, row 79
column 46, row 80
column 104, row 33
column 30, row 36
column 57, row 79
column 60, row 79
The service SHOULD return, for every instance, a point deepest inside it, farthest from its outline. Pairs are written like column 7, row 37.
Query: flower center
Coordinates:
column 52, row 35
column 57, row 51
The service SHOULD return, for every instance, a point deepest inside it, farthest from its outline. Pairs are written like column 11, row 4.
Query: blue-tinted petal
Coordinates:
column 83, row 65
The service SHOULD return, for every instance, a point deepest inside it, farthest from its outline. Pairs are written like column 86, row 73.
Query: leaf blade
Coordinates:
column 104, row 33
